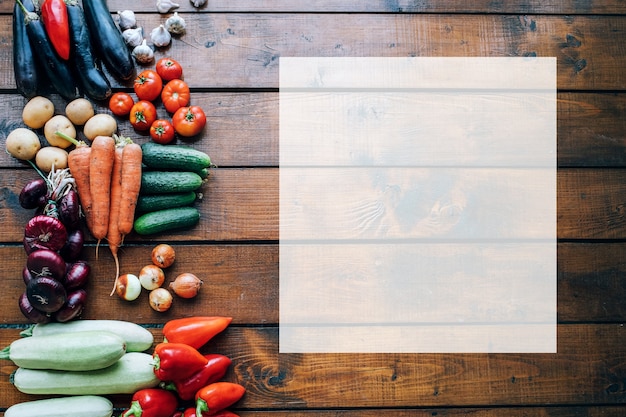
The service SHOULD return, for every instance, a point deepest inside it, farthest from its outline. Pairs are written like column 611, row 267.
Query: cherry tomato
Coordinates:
column 142, row 115
column 169, row 69
column 148, row 85
column 162, row 131
column 189, row 121
column 175, row 95
column 120, row 103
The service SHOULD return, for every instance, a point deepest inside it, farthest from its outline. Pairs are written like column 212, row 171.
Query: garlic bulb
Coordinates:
column 133, row 36
column 127, row 19
column 175, row 24
column 164, row 6
column 143, row 53
column 160, row 36
column 198, row 3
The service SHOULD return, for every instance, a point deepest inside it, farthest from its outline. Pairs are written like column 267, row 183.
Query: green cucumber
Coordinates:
column 72, row 406
column 137, row 338
column 166, row 220
column 134, row 371
column 174, row 157
column 84, row 351
column 154, row 202
column 166, row 182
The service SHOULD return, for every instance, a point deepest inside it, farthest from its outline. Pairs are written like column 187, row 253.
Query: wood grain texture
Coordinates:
column 589, row 368
column 243, row 128
column 244, row 50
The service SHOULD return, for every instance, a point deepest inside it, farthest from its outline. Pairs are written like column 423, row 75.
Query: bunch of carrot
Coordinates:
column 108, row 179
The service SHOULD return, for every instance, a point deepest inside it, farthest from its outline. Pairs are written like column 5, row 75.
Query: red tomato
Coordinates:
column 162, row 131
column 189, row 121
column 148, row 85
column 142, row 115
column 175, row 95
column 169, row 69
column 120, row 103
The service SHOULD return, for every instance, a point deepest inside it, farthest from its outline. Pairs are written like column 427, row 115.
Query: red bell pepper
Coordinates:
column 56, row 22
column 191, row 412
column 194, row 331
column 152, row 402
column 213, row 371
column 216, row 397
column 175, row 361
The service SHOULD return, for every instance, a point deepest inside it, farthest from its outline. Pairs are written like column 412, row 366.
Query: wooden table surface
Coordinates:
column 231, row 55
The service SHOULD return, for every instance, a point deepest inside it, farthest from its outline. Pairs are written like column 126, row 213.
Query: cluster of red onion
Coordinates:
column 55, row 275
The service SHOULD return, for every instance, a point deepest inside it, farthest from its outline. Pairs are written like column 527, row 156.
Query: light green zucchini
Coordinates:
column 80, row 351
column 73, row 406
column 137, row 338
column 134, row 371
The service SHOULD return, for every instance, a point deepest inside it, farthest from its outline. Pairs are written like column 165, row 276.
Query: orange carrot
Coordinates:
column 131, row 183
column 100, row 170
column 78, row 163
column 114, row 236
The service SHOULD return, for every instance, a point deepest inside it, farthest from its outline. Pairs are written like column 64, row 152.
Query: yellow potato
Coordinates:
column 23, row 143
column 50, row 156
column 102, row 124
column 62, row 124
column 79, row 111
column 37, row 112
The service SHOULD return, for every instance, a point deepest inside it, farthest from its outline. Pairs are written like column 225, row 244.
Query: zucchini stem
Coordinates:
column 5, row 353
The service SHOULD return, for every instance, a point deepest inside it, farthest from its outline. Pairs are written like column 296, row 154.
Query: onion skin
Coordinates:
column 44, row 232
column 26, row 275
column 46, row 263
column 77, row 275
column 31, row 313
column 69, row 210
column 160, row 299
column 163, row 255
column 33, row 193
column 186, row 285
column 73, row 307
column 46, row 294
column 73, row 247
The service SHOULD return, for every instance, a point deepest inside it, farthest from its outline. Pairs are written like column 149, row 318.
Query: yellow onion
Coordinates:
column 186, row 285
column 160, row 299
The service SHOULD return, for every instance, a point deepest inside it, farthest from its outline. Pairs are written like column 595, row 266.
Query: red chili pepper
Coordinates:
column 213, row 371
column 56, row 22
column 217, row 397
column 194, row 331
column 152, row 402
column 175, row 361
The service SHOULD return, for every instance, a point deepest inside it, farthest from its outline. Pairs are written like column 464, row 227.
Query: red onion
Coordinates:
column 26, row 275
column 74, row 245
column 69, row 210
column 46, row 294
column 73, row 307
column 33, row 193
column 46, row 263
column 77, row 275
column 31, row 313
column 44, row 232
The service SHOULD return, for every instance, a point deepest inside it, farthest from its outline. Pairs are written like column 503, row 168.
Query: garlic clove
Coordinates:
column 143, row 53
column 164, row 6
column 160, row 36
column 127, row 19
column 133, row 36
column 175, row 24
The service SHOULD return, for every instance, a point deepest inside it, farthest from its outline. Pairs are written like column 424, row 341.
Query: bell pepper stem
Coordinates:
column 201, row 407
column 134, row 410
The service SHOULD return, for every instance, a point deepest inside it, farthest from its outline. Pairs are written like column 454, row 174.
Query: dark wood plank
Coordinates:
column 243, row 128
column 244, row 50
column 588, row 368
column 383, row 6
